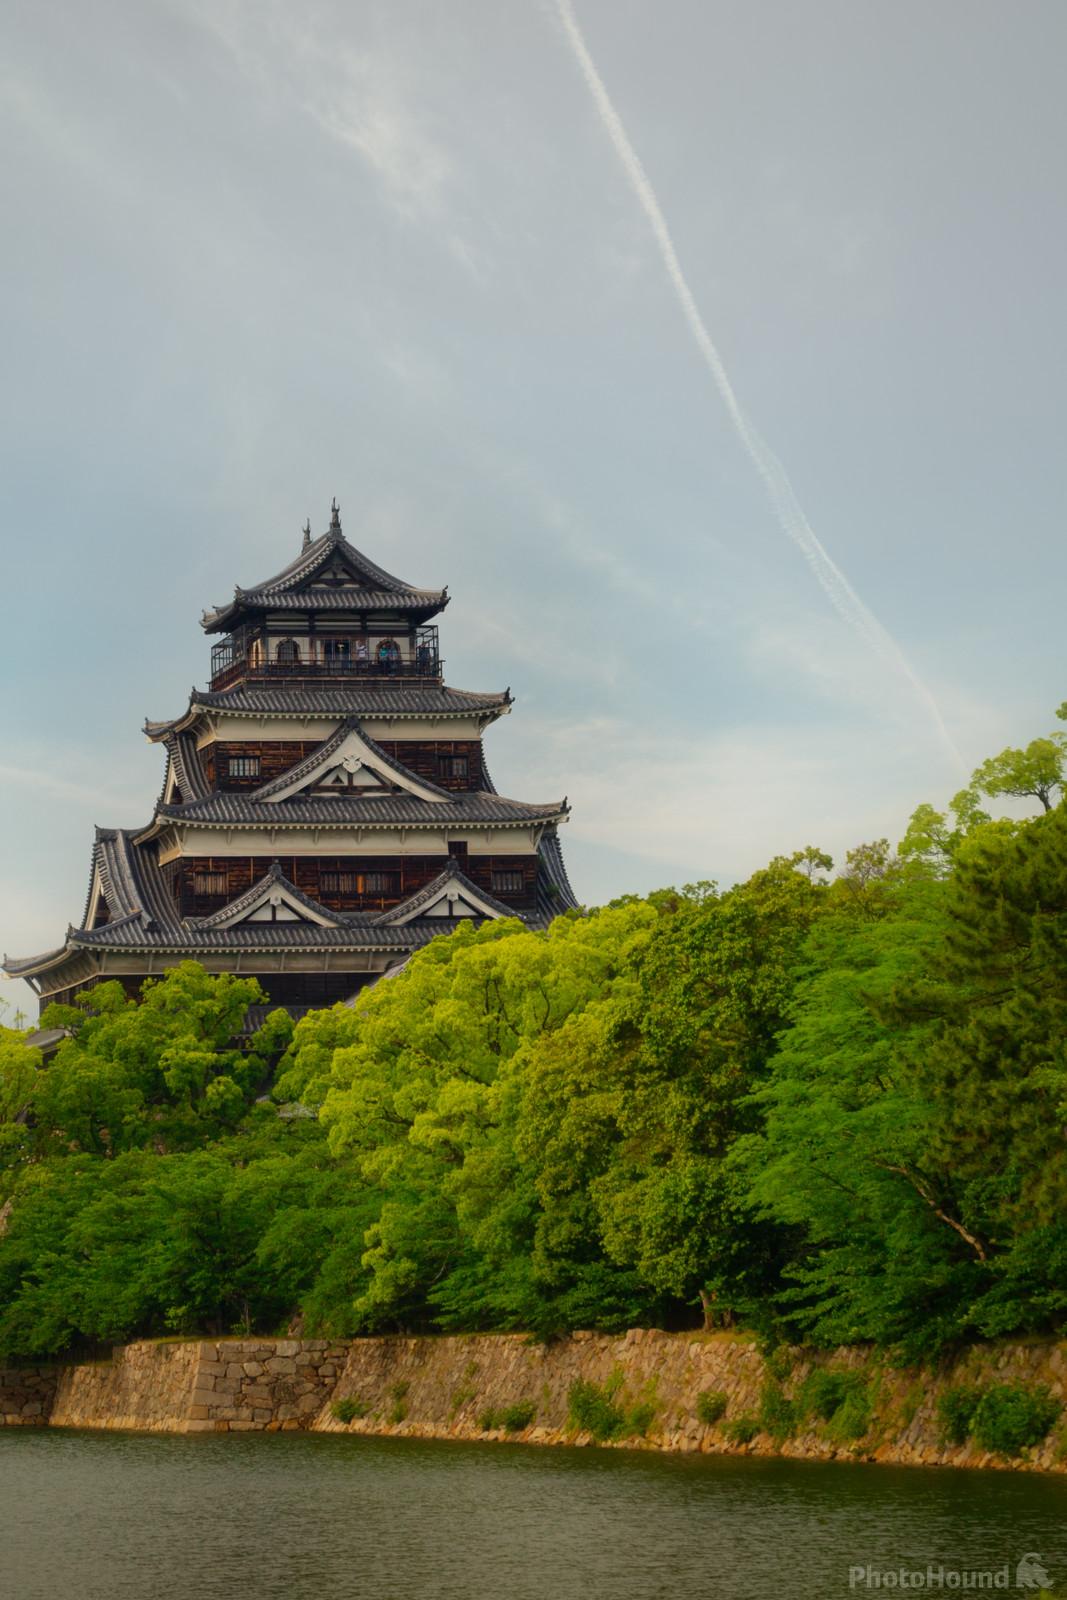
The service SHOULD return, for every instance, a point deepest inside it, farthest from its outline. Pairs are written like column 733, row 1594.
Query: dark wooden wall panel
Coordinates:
column 409, row 873
column 425, row 758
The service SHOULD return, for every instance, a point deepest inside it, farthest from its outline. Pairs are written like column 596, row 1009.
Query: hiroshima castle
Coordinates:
column 326, row 807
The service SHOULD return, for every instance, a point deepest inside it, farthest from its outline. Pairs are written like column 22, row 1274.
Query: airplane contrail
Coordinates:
column 782, row 496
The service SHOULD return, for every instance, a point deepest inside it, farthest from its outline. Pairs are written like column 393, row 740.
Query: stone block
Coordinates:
column 253, row 1369
column 225, row 1413
column 235, row 1369
column 199, row 1413
column 262, row 1414
column 213, row 1369
column 227, row 1385
column 306, row 1404
column 243, row 1425
column 306, row 1358
column 255, row 1394
column 286, row 1347
column 199, row 1425
column 203, row 1397
column 33, row 1408
column 281, row 1364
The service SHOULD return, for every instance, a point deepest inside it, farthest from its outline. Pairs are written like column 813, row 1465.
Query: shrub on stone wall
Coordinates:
column 348, row 1409
column 710, row 1406
column 777, row 1413
column 598, row 1409
column 742, row 1429
column 513, row 1418
column 1010, row 1417
column 955, row 1412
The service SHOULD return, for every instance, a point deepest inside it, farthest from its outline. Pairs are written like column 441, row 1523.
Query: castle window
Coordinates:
column 336, row 653
column 357, row 883
column 288, row 650
column 453, row 766
column 339, row 883
column 210, row 883
column 242, row 766
column 508, row 882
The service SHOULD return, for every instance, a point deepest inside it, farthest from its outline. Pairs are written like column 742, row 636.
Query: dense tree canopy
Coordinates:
column 828, row 1108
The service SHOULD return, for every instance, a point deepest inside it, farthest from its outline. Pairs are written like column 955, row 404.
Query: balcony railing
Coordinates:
column 425, row 669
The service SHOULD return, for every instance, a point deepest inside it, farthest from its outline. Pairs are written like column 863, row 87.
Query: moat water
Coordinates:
column 106, row 1516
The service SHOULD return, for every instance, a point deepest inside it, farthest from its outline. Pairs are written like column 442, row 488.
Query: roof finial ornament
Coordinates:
column 335, row 517
column 307, row 533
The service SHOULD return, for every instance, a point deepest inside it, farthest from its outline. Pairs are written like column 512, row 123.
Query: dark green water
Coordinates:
column 297, row 1517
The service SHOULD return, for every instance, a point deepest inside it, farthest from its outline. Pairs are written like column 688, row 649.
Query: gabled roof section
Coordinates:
column 348, row 763
column 451, row 894
column 352, row 810
column 273, row 899
column 184, row 778
column 554, row 892
column 326, row 568
column 132, row 883
column 395, row 702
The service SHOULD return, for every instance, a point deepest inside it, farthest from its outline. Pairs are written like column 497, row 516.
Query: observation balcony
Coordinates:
column 236, row 659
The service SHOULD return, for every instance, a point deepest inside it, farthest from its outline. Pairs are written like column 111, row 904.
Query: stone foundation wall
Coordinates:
column 220, row 1386
column 444, row 1387
column 26, row 1395
column 267, row 1384
column 145, row 1386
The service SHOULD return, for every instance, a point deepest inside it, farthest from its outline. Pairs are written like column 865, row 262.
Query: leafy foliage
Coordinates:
column 826, row 1109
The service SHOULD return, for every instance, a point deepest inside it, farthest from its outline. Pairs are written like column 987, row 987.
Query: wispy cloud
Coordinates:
column 365, row 99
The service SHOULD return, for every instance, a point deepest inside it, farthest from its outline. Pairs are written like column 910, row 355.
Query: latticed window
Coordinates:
column 357, row 883
column 508, row 882
column 210, row 883
column 377, row 882
column 242, row 766
column 340, row 883
column 453, row 766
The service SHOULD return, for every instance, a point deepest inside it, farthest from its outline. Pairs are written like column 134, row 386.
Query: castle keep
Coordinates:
column 326, row 807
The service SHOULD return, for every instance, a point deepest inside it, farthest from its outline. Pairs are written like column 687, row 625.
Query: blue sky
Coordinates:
column 259, row 255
